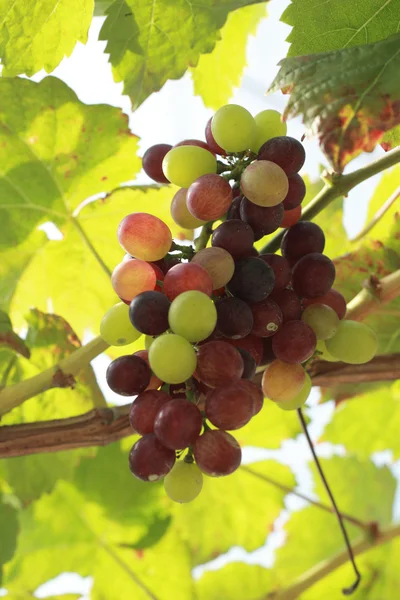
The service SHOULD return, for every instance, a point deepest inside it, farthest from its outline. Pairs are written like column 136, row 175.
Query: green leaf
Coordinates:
column 348, row 98
column 9, row 532
column 234, row 581
column 227, row 61
column 150, row 42
column 356, row 486
column 269, row 428
column 243, row 507
column 37, row 35
column 391, row 139
column 81, row 276
column 55, row 152
column 368, row 423
column 9, row 338
column 364, row 22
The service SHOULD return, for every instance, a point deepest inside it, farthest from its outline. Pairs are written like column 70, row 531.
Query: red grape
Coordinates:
column 249, row 364
column 267, row 318
column 295, row 342
column 255, row 392
column 313, row 275
column 152, row 162
column 155, row 382
column 178, row 424
column 180, row 212
column 234, row 236
column 144, row 236
column 235, row 319
column 217, row 453
column 285, row 151
column 128, row 375
column 234, row 209
column 288, row 302
column 218, row 263
column 253, row 280
column 132, row 277
column 185, row 277
column 301, row 239
column 296, row 193
column 144, row 410
column 252, row 344
column 211, row 142
column 218, row 364
column 333, row 298
column 149, row 460
column 229, row 407
column 262, row 219
column 281, row 269
column 291, row 217
column 209, row 197
column 148, row 313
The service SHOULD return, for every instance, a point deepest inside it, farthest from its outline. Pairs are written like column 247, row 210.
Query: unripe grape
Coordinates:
column 264, row 183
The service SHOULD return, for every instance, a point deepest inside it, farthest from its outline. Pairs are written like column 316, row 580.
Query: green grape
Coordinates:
column 269, row 125
column 354, row 343
column 233, row 128
column 184, row 164
column 184, row 482
column 116, row 328
column 323, row 352
column 299, row 400
column 192, row 315
column 148, row 340
column 322, row 319
column 172, row 358
column 264, row 183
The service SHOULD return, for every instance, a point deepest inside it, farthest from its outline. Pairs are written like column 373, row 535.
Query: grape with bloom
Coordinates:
column 214, row 312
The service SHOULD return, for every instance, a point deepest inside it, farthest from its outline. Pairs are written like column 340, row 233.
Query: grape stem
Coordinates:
column 205, row 234
column 338, row 185
column 351, row 589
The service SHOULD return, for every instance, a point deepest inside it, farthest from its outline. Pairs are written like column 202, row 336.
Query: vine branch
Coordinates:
column 338, row 185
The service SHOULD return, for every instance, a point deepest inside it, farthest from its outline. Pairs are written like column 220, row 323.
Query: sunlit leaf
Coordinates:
column 269, row 428
column 234, row 581
column 9, row 531
column 391, row 139
column 387, row 230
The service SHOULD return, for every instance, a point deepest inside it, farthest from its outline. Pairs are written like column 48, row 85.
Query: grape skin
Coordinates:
column 184, row 164
column 249, row 364
column 218, row 364
column 300, row 399
column 251, row 343
column 354, row 343
column 235, row 319
column 128, row 375
column 152, row 162
column 291, row 217
column 183, row 364
column 229, row 407
column 322, row 319
column 132, row 277
column 184, row 482
column 180, row 212
column 282, row 381
column 288, row 302
column 255, row 392
column 184, row 277
column 233, row 128
column 192, row 315
column 148, row 312
column 144, row 410
column 217, row 453
column 262, row 219
column 178, row 424
column 281, row 269
column 211, row 141
column 285, row 151
column 234, row 236
column 313, row 275
column 267, row 318
column 218, row 263
column 116, row 328
column 296, row 192
column 149, row 460
column 252, row 281
column 144, row 236
column 209, row 197
column 155, row 382
column 295, row 342
column 301, row 239
column 264, row 183
column 333, row 298
column 269, row 125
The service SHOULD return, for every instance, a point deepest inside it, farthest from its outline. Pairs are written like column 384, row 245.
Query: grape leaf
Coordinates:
column 368, row 423
column 387, row 230
column 9, row 532
column 244, row 509
column 82, row 274
column 356, row 486
column 150, row 42
column 37, row 35
column 391, row 139
column 55, row 152
column 234, row 581
column 362, row 22
column 269, row 428
column 348, row 98
column 9, row 338
column 227, row 61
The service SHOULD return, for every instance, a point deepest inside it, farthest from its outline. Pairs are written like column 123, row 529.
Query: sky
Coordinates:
column 174, row 114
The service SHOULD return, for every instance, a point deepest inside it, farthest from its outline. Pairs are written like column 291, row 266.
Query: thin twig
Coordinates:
column 378, row 215
column 351, row 589
column 89, row 244
column 201, row 241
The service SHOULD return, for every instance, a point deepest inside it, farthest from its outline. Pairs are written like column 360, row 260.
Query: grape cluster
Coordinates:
column 211, row 317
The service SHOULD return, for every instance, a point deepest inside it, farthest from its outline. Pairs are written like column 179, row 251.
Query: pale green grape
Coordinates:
column 264, row 183
column 322, row 319
column 192, row 315
column 299, row 400
column 184, row 482
column 172, row 358
column 184, row 164
column 233, row 128
column 269, row 125
column 354, row 343
column 323, row 352
column 116, row 328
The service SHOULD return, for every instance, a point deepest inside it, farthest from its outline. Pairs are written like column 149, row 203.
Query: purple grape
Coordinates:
column 285, row 151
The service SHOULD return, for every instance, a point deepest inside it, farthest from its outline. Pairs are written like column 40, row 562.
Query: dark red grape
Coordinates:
column 218, row 364
column 234, row 236
column 262, row 220
column 229, row 407
column 285, row 151
column 249, row 364
column 268, row 354
column 152, row 162
column 148, row 313
column 253, row 280
column 235, row 319
column 281, row 269
column 128, row 375
column 295, row 342
column 267, row 318
column 256, row 393
column 155, row 382
column 301, row 239
column 166, row 263
column 296, row 193
column 313, row 275
column 252, row 344
column 211, row 142
column 333, row 298
column 144, row 410
column 288, row 302
column 149, row 460
column 234, row 209
column 217, row 453
column 178, row 424
column 291, row 217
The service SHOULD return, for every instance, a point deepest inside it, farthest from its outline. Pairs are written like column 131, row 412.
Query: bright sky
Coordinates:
column 174, row 114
